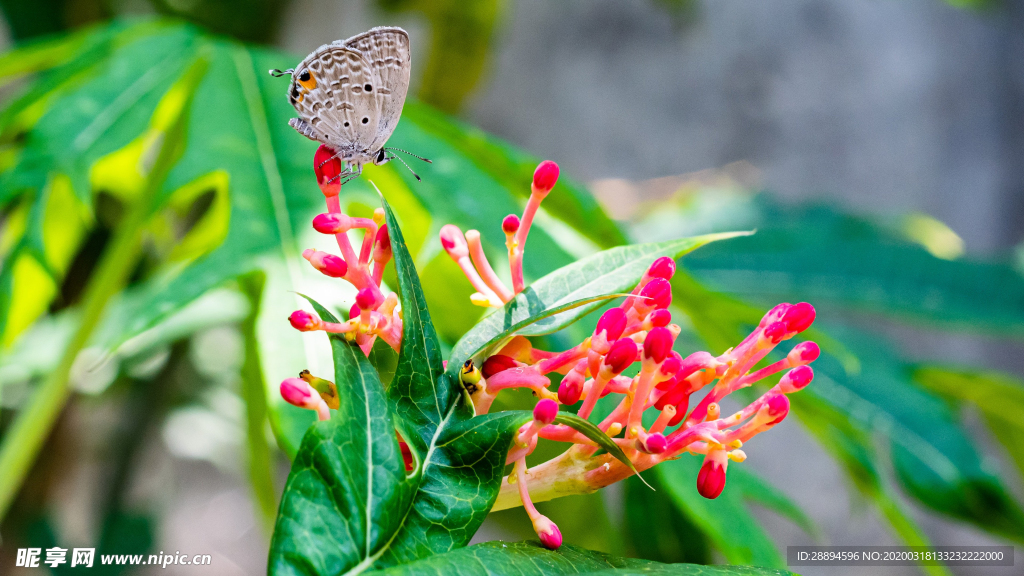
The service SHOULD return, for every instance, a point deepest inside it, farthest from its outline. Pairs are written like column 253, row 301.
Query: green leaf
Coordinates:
column 350, row 467
column 518, row 327
column 999, row 397
column 594, row 433
column 530, row 559
column 614, row 270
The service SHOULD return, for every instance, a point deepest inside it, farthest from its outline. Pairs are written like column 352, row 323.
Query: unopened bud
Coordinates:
column 622, row 354
column 497, row 363
column 796, row 379
column 303, row 321
column 327, row 168
column 799, row 317
column 612, row 323
column 453, row 241
column 711, row 478
column 571, row 388
column 777, row 407
column 297, row 392
column 658, row 344
column 365, row 299
column 332, row 223
column 803, row 353
column 663, row 267
column 545, row 411
column 510, row 225
column 659, row 318
column 775, row 332
column 545, row 176
column 656, row 294
column 382, row 245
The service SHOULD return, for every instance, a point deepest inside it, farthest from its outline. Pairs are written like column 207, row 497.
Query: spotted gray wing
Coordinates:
column 335, row 102
column 387, row 48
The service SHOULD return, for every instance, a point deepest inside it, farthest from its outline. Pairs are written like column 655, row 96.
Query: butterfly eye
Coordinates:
column 307, row 80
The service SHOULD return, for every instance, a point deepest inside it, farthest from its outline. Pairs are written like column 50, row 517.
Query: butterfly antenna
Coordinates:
column 410, row 154
column 278, row 73
column 395, row 157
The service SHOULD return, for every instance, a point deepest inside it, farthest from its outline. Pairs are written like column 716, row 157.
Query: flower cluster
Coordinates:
column 373, row 314
column 636, row 337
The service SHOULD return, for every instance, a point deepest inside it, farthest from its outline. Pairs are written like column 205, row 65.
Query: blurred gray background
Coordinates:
column 883, row 106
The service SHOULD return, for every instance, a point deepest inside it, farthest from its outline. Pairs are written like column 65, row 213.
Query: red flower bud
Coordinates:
column 777, row 407
column 799, row 317
column 510, row 224
column 545, row 176
column 657, row 293
column 571, row 388
column 656, row 443
column 796, row 379
column 549, row 534
column 497, row 363
column 354, row 311
column 332, row 223
column 382, row 244
column 659, row 317
column 803, row 353
column 612, row 322
column 453, row 241
column 663, row 267
column 366, row 299
column 296, row 392
column 658, row 344
column 545, row 411
column 711, row 478
column 775, row 332
column 303, row 321
column 330, row 169
column 334, row 266
column 621, row 355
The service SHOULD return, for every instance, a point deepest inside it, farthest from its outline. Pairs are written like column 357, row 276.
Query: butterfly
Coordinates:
column 349, row 95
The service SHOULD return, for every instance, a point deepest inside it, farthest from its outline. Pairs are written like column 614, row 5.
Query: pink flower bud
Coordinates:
column 799, row 317
column 549, row 534
column 672, row 364
column 382, row 244
column 657, row 293
column 545, row 411
column 354, row 311
column 796, row 379
column 453, row 241
column 329, row 171
column 510, row 225
column 655, row 443
column 365, row 299
column 777, row 406
column 775, row 314
column 658, row 344
column 621, row 355
column 711, row 478
column 497, row 363
column 545, row 176
column 327, row 264
column 303, row 321
column 296, row 392
column 775, row 332
column 332, row 223
column 571, row 388
column 803, row 353
column 659, row 318
column 612, row 322
column 663, row 267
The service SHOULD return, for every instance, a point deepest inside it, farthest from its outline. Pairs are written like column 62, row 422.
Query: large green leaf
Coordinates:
column 825, row 256
column 612, row 271
column 87, row 110
column 530, row 559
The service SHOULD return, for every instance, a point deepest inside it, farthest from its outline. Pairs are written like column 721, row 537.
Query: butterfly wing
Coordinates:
column 387, row 49
column 333, row 101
